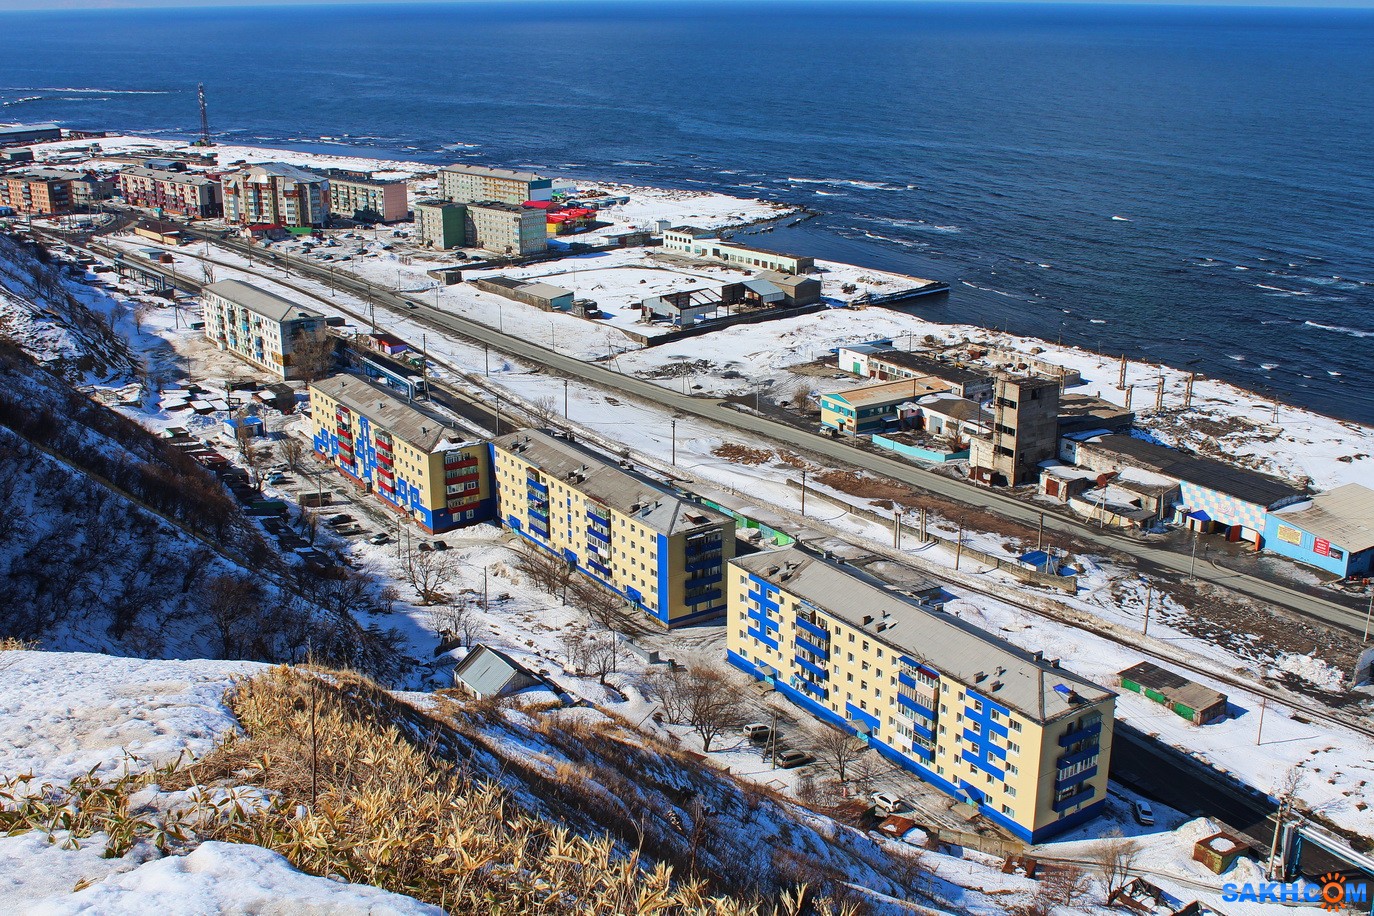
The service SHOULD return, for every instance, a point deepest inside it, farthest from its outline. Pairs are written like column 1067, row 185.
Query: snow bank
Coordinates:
column 62, row 714
column 214, row 878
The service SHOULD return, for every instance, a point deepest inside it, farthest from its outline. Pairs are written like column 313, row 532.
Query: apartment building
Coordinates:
column 440, row 224
column 1008, row 731
column 355, row 195
column 666, row 555
column 507, row 229
column 410, row 458
column 1025, row 432
column 38, row 193
column 184, row 193
column 698, row 243
column 469, row 184
column 257, row 326
column 276, row 194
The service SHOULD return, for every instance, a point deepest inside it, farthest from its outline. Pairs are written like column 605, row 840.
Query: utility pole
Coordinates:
column 1040, row 538
column 565, row 399
column 1130, row 390
column 424, row 365
column 674, row 425
column 1192, row 563
column 1259, row 735
column 959, row 548
column 1121, row 379
column 773, row 741
column 486, row 359
column 1367, row 614
column 1159, row 394
column 1149, row 593
column 897, row 529
column 1188, row 391
column 803, row 512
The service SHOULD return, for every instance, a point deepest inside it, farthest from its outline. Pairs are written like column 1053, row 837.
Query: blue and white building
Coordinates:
column 1333, row 531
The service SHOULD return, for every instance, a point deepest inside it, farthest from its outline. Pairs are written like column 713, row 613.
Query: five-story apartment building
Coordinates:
column 1006, row 730
column 470, row 184
column 410, row 458
column 276, row 194
column 185, row 193
column 666, row 555
column 259, row 327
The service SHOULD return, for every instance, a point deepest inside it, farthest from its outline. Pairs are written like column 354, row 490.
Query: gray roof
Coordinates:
column 763, row 287
column 25, row 128
column 546, row 290
column 260, row 301
column 786, row 281
column 627, row 493
column 165, row 175
column 489, row 673
column 426, row 430
column 487, row 172
column 281, row 170
column 1249, row 486
column 929, row 365
column 437, row 204
column 991, row 666
column 1344, row 516
column 956, row 409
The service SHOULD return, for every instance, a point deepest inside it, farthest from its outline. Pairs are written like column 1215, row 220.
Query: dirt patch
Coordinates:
column 742, row 454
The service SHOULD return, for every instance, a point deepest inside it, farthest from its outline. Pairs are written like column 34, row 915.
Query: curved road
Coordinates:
column 835, row 450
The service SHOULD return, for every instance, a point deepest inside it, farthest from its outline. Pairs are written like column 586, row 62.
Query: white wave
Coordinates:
column 1280, row 289
column 827, row 193
column 1046, row 266
column 27, row 98
column 905, row 243
column 1121, row 219
column 1339, row 329
column 86, row 89
column 1269, row 367
column 1096, row 321
column 989, row 289
column 1333, row 372
column 1239, row 359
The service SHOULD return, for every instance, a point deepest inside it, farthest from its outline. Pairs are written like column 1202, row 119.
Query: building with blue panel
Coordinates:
column 414, row 460
column 1333, row 531
column 1004, row 730
column 663, row 553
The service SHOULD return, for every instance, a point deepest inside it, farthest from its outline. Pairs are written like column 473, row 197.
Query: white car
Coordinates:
column 757, row 732
column 1142, row 812
column 886, row 801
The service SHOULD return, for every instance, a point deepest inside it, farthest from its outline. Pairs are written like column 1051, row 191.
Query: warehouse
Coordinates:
column 544, row 296
column 1333, row 531
column 872, row 408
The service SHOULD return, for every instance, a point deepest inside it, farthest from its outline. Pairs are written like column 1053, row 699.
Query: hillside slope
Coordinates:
column 429, row 796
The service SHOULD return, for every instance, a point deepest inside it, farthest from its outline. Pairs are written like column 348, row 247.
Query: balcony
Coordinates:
column 916, row 706
column 816, row 670
column 1076, row 798
column 815, row 650
column 1086, row 732
column 1064, row 782
column 821, row 633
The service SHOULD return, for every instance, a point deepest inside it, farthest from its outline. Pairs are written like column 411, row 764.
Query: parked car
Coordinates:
column 335, row 521
column 425, row 547
column 440, row 545
column 791, row 759
column 276, row 478
column 757, row 732
column 886, row 802
column 1142, row 812
column 380, row 538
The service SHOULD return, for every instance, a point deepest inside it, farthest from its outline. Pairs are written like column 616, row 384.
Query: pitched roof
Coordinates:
column 426, row 430
column 265, row 170
column 195, row 178
column 621, row 490
column 260, row 301
column 486, row 172
column 489, row 673
column 990, row 666
column 929, row 365
column 1343, row 516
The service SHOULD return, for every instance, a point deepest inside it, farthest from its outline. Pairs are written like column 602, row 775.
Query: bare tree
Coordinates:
column 867, row 769
column 428, row 572
column 141, row 312
column 254, row 456
column 1116, row 858
column 232, row 607
column 604, row 655
column 575, row 647
column 312, row 355
column 604, row 606
column 801, row 397
column 1061, row 885
column 548, row 571
column 839, row 749
column 704, row 698
column 292, row 452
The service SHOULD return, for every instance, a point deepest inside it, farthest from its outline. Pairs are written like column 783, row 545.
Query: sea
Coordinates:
column 1191, row 185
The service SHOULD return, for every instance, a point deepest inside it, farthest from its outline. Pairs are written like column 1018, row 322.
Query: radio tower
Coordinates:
column 204, row 118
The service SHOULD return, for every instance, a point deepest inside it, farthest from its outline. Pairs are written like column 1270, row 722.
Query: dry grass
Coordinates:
column 10, row 644
column 360, row 799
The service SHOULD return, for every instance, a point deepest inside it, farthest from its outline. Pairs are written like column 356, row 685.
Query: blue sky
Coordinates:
column 10, row 5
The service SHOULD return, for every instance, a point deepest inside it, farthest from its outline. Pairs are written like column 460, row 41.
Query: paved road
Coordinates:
column 757, row 427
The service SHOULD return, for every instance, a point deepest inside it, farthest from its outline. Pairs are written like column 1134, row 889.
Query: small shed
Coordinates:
column 248, row 427
column 1219, row 851
column 1192, row 701
column 487, row 673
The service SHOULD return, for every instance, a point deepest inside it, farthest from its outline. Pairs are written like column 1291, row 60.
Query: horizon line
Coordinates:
column 177, row 5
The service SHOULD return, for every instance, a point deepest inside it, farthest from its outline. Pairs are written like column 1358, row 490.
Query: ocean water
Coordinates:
column 1188, row 185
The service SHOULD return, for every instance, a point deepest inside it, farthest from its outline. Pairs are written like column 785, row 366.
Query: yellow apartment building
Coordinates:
column 412, row 459
column 666, row 555
column 1006, row 730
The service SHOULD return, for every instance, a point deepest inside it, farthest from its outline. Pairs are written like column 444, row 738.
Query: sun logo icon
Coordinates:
column 1333, row 891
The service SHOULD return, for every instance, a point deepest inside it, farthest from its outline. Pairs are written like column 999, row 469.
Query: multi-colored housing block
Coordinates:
column 413, row 460
column 1007, row 731
column 664, row 554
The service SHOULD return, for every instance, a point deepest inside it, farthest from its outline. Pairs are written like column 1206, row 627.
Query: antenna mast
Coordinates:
column 204, row 118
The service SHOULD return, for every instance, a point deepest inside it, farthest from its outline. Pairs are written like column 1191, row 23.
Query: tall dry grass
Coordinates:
column 361, row 800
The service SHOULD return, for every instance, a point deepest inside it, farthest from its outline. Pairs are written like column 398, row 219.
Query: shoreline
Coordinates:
column 789, row 215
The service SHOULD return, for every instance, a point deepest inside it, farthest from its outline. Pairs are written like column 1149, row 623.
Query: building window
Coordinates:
column 1013, row 747
column 1011, row 791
